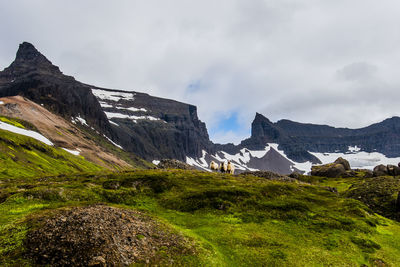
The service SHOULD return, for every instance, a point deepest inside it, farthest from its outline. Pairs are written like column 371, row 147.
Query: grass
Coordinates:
column 22, row 156
column 235, row 220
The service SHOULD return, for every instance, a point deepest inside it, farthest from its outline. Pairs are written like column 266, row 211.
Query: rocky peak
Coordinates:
column 28, row 60
column 263, row 127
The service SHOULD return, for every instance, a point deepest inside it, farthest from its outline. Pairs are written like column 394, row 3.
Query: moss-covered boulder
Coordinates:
column 344, row 162
column 332, row 170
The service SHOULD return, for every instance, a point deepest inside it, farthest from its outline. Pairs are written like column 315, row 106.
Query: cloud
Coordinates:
column 311, row 61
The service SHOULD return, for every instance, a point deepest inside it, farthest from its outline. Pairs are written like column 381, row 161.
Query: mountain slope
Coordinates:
column 23, row 156
column 70, row 135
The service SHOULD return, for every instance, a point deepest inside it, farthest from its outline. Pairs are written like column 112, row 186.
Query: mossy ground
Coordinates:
column 22, row 156
column 235, row 220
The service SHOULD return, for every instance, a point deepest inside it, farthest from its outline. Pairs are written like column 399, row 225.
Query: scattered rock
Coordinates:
column 174, row 164
column 380, row 170
column 344, row 162
column 393, row 170
column 100, row 235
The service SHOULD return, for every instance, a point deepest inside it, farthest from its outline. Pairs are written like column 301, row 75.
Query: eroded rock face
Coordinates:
column 101, row 236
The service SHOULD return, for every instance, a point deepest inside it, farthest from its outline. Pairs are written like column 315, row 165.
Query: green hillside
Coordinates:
column 22, row 156
column 232, row 220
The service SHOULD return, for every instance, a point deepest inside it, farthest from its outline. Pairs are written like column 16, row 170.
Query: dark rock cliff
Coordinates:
column 153, row 127
column 33, row 76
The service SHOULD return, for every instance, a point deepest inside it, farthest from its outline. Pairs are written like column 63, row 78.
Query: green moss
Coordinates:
column 235, row 221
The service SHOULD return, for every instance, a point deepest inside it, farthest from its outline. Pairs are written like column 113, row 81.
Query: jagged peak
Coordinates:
column 29, row 59
column 260, row 117
column 27, row 51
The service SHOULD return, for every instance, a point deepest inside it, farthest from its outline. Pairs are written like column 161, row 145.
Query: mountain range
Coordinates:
column 116, row 128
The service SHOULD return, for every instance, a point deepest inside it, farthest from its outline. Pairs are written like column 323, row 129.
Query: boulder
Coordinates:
column 393, row 170
column 344, row 162
column 332, row 170
column 380, row 170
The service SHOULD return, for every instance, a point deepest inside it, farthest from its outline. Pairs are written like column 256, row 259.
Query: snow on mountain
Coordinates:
column 255, row 160
column 112, row 95
column 17, row 130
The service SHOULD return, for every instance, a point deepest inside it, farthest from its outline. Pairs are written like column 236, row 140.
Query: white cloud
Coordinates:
column 332, row 62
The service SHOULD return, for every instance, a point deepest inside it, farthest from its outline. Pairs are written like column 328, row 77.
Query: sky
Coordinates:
column 315, row 61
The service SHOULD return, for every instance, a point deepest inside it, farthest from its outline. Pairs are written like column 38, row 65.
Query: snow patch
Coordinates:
column 156, row 162
column 80, row 120
column 17, row 130
column 133, row 109
column 354, row 149
column 111, row 115
column 116, row 124
column 73, row 152
column 105, row 105
column 112, row 96
column 193, row 162
column 111, row 141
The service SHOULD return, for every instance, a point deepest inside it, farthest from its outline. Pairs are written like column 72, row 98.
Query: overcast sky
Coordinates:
column 318, row 61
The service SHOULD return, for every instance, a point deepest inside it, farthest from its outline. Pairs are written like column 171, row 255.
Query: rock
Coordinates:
column 380, row 170
column 393, row 170
column 344, row 162
column 174, row 164
column 332, row 170
column 294, row 175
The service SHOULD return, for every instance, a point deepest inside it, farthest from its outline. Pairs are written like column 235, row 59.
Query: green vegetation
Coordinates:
column 234, row 220
column 22, row 156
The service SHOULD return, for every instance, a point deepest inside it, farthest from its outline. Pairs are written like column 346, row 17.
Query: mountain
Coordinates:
column 132, row 124
column 150, row 127
column 287, row 146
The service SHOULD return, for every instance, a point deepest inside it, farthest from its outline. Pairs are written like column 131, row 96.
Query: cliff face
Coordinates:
column 153, row 127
